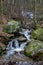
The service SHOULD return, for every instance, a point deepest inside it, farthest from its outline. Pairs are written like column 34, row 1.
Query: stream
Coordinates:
column 13, row 45
column 15, row 52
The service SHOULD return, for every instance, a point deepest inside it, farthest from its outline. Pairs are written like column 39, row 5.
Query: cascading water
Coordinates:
column 12, row 49
column 9, row 46
column 26, row 34
column 23, row 45
column 27, row 14
column 13, row 45
column 16, row 43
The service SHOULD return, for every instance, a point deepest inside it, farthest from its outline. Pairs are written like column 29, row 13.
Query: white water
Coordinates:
column 13, row 45
column 9, row 46
column 12, row 50
column 26, row 34
column 27, row 14
column 23, row 45
column 16, row 43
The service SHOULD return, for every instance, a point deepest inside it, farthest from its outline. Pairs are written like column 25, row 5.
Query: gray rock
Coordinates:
column 21, row 39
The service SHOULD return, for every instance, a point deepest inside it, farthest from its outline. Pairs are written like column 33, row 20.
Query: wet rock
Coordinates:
column 12, row 26
column 22, row 39
column 34, row 49
column 37, row 34
column 23, row 30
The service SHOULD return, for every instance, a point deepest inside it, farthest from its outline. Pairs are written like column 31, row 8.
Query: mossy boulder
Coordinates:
column 37, row 34
column 34, row 48
column 12, row 26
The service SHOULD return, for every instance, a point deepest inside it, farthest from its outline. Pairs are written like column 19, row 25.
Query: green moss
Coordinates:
column 37, row 34
column 12, row 26
column 33, row 48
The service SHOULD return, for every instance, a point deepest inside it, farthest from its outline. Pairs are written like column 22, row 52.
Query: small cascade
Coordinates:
column 9, row 46
column 26, row 34
column 27, row 14
column 13, row 45
column 16, row 43
column 22, row 46
column 18, row 48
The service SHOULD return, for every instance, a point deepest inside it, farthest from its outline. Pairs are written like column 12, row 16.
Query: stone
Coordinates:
column 34, row 49
column 37, row 34
column 12, row 26
column 21, row 39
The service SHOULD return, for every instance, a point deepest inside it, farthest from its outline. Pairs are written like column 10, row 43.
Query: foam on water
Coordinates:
column 26, row 34
column 13, row 45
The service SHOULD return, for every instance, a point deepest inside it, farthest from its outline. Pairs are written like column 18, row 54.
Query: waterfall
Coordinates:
column 13, row 45
column 12, row 50
column 26, row 34
column 16, row 43
column 27, row 14
column 9, row 46
column 23, row 45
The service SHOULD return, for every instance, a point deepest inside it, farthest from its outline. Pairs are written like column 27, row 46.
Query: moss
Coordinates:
column 33, row 48
column 12, row 26
column 37, row 34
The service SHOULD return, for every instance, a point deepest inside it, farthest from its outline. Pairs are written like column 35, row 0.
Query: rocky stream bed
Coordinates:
column 21, row 46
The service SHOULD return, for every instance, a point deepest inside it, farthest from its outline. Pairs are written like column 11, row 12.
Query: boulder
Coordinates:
column 37, row 34
column 21, row 39
column 34, row 49
column 12, row 26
